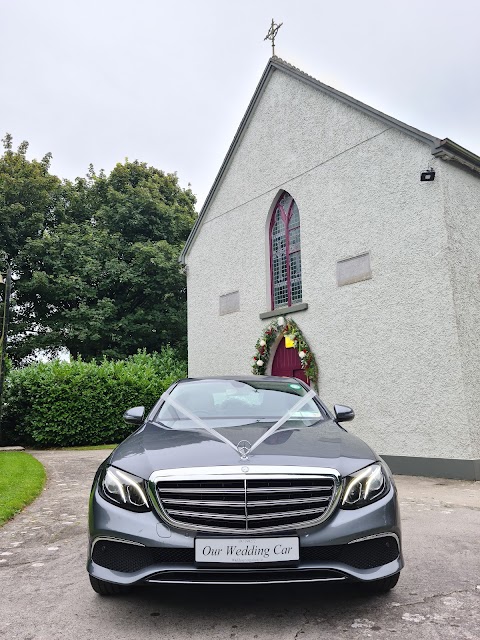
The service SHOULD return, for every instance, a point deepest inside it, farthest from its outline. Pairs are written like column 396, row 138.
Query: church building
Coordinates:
column 342, row 246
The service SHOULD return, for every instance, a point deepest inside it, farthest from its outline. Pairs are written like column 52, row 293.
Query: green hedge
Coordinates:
column 60, row 404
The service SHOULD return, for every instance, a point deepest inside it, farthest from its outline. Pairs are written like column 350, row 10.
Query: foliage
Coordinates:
column 21, row 480
column 7, row 364
column 95, row 261
column 30, row 199
column 285, row 327
column 59, row 404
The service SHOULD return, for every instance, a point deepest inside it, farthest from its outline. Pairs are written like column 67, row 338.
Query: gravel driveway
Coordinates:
column 45, row 593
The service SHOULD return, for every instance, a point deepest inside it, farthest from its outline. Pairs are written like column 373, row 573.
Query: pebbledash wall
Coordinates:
column 402, row 348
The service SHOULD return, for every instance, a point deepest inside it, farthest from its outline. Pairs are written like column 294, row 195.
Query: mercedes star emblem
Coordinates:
column 243, row 448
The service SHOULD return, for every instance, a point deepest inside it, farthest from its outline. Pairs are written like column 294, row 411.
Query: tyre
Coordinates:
column 381, row 586
column 107, row 588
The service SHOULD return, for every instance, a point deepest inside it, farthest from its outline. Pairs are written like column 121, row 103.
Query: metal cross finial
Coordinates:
column 272, row 34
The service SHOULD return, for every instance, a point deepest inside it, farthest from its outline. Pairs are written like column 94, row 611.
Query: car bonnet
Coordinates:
column 324, row 445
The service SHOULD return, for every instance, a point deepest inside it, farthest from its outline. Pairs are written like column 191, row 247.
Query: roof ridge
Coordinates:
column 279, row 63
column 445, row 149
column 304, row 73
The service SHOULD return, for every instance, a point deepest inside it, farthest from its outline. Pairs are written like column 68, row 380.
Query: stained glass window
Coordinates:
column 279, row 261
column 286, row 265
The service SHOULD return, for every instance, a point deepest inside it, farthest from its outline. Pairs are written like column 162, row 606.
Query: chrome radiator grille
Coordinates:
column 247, row 504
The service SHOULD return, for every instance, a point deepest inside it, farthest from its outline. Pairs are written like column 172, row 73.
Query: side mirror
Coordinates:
column 134, row 416
column 343, row 413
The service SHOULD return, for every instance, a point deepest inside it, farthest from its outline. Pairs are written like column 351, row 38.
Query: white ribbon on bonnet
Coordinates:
column 213, row 432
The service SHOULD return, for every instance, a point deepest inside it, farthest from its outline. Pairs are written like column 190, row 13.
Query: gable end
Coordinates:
column 445, row 149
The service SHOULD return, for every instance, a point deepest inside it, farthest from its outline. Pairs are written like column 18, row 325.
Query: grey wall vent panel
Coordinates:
column 229, row 303
column 354, row 269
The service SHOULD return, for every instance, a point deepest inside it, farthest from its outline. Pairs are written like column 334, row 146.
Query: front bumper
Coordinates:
column 328, row 551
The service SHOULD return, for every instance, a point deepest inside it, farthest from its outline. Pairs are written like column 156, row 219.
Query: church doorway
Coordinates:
column 286, row 362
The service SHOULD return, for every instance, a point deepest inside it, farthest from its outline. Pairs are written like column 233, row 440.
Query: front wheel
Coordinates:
column 107, row 588
column 381, row 586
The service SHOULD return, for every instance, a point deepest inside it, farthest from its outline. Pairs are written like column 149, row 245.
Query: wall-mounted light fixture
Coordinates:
column 428, row 175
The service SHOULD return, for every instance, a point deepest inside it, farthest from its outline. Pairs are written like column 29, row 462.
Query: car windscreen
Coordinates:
column 236, row 402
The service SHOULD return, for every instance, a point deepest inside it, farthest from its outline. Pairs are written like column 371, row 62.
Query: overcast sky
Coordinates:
column 96, row 81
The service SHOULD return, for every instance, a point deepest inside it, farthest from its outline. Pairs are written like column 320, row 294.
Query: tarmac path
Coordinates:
column 45, row 593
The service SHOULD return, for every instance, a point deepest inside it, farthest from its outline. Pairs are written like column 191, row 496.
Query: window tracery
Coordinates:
column 285, row 253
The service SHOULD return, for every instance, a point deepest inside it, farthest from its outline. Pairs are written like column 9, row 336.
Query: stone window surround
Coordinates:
column 283, row 311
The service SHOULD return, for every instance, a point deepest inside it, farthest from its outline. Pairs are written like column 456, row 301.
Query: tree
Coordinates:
column 30, row 199
column 99, row 272
column 31, row 202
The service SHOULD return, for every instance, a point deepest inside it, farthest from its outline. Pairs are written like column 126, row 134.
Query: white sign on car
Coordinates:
column 246, row 550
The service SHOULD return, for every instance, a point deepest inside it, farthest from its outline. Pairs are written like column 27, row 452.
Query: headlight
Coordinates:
column 124, row 489
column 365, row 486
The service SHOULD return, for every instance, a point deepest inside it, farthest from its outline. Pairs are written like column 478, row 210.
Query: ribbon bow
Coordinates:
column 213, row 432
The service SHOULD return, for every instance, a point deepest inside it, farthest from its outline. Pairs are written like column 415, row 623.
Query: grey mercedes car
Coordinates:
column 242, row 480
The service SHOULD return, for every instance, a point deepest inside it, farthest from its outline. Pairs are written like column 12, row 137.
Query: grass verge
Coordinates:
column 21, row 480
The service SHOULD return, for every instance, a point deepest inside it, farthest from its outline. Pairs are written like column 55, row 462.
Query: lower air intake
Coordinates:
column 128, row 558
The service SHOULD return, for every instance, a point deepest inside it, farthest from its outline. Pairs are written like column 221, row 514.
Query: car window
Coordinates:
column 214, row 400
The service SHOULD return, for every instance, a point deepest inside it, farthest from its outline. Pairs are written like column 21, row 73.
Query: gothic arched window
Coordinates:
column 285, row 255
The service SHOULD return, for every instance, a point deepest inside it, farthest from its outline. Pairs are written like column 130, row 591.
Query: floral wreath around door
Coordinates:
column 287, row 328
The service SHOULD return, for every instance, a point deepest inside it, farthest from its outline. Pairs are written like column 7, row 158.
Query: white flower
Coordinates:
column 281, row 321
column 301, row 354
column 262, row 343
column 259, row 363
